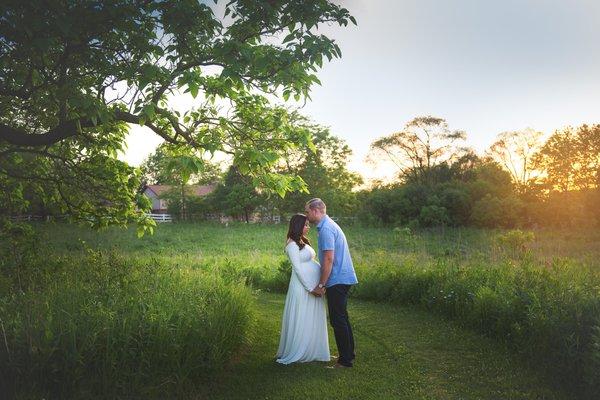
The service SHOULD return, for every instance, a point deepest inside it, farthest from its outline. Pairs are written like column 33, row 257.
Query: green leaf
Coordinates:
column 289, row 37
column 193, row 89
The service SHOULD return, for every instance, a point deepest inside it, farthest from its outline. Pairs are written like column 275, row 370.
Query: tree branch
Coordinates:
column 20, row 138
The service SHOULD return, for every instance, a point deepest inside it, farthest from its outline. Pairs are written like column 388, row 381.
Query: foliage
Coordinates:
column 530, row 184
column 178, row 167
column 516, row 240
column 236, row 196
column 571, row 159
column 470, row 191
column 196, row 207
column 324, row 169
column 405, row 236
column 108, row 326
column 543, row 302
column 92, row 187
column 68, row 90
column 166, row 164
column 490, row 212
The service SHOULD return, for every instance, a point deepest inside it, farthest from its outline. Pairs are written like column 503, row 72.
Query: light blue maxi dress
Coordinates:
column 304, row 323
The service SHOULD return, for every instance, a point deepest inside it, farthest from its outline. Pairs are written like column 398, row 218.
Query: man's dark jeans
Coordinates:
column 337, row 300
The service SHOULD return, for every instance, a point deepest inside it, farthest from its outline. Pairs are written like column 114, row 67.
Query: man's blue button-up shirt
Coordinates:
column 331, row 237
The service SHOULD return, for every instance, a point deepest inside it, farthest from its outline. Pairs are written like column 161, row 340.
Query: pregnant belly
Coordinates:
column 311, row 272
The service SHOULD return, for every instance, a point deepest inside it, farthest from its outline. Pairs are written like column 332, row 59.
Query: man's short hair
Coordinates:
column 316, row 203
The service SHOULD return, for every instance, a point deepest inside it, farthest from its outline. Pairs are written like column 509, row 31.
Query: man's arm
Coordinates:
column 326, row 265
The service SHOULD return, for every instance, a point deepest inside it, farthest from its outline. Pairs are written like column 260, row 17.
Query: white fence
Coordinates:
column 275, row 219
column 161, row 217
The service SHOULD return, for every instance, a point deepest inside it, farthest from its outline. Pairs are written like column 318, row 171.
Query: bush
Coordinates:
column 493, row 212
column 516, row 240
column 433, row 215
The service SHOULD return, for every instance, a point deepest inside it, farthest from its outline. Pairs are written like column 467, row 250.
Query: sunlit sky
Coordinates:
column 485, row 66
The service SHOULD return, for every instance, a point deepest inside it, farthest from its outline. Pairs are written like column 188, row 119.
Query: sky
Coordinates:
column 485, row 66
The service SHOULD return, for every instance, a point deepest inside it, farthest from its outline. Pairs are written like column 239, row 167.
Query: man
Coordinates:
column 337, row 277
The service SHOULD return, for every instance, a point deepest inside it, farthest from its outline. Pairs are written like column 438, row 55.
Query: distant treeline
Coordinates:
column 520, row 181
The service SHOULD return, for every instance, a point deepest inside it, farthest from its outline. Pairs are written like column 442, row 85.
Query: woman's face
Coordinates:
column 306, row 228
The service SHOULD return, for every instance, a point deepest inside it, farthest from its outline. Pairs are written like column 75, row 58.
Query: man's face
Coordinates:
column 310, row 214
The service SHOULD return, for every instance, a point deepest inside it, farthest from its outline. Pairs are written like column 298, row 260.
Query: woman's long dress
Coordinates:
column 304, row 325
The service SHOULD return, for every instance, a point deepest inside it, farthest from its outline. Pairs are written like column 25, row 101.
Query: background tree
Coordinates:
column 423, row 143
column 154, row 168
column 557, row 159
column 236, row 196
column 515, row 151
column 588, row 146
column 461, row 194
column 170, row 165
column 68, row 89
column 324, row 169
column 570, row 161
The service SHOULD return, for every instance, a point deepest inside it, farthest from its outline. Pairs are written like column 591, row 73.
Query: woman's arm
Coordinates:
column 293, row 252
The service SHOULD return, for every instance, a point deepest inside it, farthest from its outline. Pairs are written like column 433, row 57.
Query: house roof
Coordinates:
column 198, row 190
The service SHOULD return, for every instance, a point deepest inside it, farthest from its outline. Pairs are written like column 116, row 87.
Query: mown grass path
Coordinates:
column 402, row 353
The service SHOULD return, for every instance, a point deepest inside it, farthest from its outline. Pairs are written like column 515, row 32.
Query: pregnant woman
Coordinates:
column 304, row 327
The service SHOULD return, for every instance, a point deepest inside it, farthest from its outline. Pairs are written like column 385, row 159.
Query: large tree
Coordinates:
column 74, row 74
column 588, row 145
column 423, row 143
column 515, row 151
column 557, row 159
column 570, row 164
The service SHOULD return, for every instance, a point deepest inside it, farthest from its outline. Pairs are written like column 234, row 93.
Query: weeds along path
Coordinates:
column 402, row 353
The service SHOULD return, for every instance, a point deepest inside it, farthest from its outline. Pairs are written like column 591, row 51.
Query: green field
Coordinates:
column 201, row 242
column 445, row 314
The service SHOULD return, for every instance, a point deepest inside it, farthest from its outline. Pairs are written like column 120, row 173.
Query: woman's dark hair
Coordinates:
column 295, row 230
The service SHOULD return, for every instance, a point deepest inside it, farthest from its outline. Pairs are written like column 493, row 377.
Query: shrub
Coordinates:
column 515, row 240
column 433, row 215
column 405, row 236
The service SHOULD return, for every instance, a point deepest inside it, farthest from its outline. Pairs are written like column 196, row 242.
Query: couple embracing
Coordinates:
column 304, row 327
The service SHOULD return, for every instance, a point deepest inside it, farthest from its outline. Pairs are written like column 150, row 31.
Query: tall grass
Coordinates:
column 104, row 326
column 538, row 292
column 550, row 313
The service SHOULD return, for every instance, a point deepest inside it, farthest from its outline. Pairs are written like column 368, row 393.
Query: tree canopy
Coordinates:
column 570, row 159
column 74, row 74
column 324, row 169
column 423, row 143
column 516, row 150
